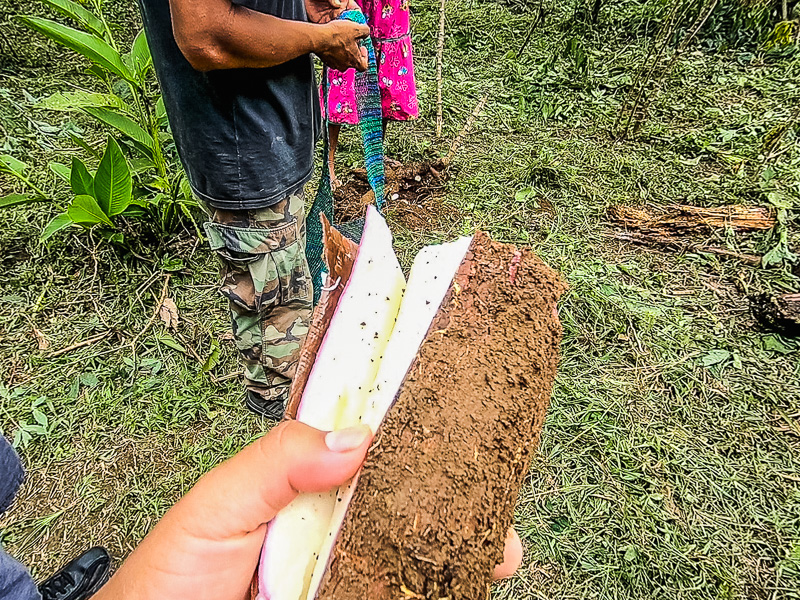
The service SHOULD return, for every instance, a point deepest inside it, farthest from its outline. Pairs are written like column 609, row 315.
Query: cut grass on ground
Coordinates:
column 670, row 461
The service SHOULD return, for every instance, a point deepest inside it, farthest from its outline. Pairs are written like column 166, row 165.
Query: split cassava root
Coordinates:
column 463, row 357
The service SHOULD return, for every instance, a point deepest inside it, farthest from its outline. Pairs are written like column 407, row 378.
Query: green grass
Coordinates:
column 670, row 461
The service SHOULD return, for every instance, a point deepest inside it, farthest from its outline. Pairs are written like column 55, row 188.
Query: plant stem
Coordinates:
column 98, row 4
column 30, row 184
column 149, row 121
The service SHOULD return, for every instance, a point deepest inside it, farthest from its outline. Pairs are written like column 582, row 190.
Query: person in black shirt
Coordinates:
column 237, row 79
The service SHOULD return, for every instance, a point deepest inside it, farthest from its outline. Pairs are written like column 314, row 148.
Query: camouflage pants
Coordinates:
column 266, row 280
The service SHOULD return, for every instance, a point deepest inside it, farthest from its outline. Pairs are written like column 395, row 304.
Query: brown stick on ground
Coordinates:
column 678, row 245
column 681, row 218
column 454, row 147
column 437, row 494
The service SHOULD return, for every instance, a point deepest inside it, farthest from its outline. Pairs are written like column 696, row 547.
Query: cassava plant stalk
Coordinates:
column 439, row 59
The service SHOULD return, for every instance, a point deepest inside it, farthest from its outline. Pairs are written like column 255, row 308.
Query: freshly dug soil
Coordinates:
column 413, row 192
column 437, row 493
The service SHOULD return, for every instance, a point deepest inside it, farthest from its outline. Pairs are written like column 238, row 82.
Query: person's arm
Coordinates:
column 216, row 34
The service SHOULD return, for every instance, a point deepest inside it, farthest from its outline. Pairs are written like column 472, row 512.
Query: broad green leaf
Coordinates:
column 86, row 44
column 78, row 141
column 89, row 379
column 60, row 170
column 213, row 357
column 631, row 554
column 81, row 181
column 714, row 357
column 778, row 344
column 84, row 210
column 170, row 342
column 152, row 364
column 17, row 199
column 58, row 223
column 78, row 13
column 40, row 417
column 126, row 126
column 186, row 189
column 777, row 255
column 12, row 165
column 780, row 200
column 67, row 101
column 140, row 55
column 112, row 238
column 113, row 186
column 161, row 110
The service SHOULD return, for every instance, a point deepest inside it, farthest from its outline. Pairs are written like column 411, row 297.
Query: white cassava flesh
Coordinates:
column 370, row 344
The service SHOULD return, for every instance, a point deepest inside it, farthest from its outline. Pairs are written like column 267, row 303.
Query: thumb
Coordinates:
column 512, row 556
column 320, row 461
column 248, row 490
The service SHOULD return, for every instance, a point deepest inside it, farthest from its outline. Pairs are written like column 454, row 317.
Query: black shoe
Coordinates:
column 79, row 579
column 271, row 408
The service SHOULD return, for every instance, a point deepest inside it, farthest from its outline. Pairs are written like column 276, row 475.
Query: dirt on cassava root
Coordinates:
column 437, row 493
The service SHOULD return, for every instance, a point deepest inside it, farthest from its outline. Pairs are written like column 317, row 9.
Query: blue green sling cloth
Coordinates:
column 370, row 120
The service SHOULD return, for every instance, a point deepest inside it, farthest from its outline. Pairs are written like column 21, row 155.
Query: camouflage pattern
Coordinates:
column 266, row 280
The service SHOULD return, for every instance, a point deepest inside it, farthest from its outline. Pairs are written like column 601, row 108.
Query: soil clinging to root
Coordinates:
column 437, row 492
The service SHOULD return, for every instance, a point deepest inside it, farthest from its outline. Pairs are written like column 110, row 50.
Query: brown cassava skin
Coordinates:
column 340, row 257
column 437, row 492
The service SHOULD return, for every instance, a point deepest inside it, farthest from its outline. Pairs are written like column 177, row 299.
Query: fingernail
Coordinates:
column 345, row 440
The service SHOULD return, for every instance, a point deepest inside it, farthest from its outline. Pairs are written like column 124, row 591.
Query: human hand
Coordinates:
column 208, row 545
column 325, row 11
column 342, row 50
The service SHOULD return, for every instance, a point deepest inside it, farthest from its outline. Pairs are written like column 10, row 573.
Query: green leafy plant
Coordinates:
column 17, row 169
column 102, row 199
column 151, row 184
column 33, row 422
column 779, row 251
column 135, row 115
column 785, row 34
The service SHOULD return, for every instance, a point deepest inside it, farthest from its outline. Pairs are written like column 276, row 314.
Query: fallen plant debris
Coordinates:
column 679, row 218
column 671, row 227
column 87, row 342
column 41, row 339
column 463, row 358
column 674, row 244
column 168, row 313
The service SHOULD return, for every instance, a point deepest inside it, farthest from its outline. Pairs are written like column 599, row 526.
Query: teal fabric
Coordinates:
column 368, row 99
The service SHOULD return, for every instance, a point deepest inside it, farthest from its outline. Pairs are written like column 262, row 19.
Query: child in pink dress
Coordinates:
column 389, row 23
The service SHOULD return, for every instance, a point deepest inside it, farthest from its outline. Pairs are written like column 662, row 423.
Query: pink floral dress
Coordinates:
column 389, row 22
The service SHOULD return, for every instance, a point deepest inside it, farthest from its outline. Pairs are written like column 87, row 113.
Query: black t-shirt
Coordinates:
column 245, row 136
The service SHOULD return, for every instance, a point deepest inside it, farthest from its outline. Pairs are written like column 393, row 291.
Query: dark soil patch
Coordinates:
column 414, row 196
column 779, row 313
column 437, row 493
